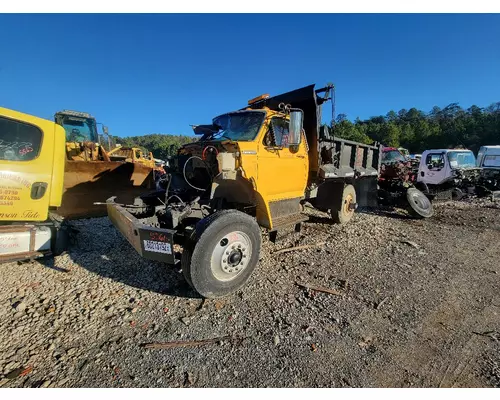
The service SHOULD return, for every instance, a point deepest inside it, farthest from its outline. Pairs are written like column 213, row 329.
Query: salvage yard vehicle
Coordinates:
column 251, row 169
column 90, row 175
column 131, row 154
column 32, row 153
column 488, row 159
column 447, row 173
column 396, row 184
column 404, row 152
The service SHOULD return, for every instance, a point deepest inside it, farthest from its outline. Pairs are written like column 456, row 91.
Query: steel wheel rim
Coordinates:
column 421, row 202
column 231, row 256
column 347, row 203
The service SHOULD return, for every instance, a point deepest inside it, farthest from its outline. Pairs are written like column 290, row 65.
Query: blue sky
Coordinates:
column 143, row 74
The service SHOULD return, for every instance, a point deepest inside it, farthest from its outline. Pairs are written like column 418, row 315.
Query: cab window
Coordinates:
column 19, row 141
column 278, row 133
column 435, row 161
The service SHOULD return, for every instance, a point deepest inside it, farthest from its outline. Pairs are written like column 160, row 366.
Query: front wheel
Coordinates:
column 224, row 255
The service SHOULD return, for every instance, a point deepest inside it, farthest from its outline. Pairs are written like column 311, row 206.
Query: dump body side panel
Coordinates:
column 341, row 158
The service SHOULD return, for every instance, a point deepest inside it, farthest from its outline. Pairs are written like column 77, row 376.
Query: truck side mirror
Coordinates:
column 105, row 129
column 295, row 130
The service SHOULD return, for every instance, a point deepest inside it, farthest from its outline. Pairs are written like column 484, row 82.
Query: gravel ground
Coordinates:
column 417, row 304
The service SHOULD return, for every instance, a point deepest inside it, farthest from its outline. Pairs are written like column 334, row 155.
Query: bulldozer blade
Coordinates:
column 86, row 183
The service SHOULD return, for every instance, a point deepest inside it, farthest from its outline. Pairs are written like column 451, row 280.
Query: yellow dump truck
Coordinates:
column 32, row 155
column 252, row 168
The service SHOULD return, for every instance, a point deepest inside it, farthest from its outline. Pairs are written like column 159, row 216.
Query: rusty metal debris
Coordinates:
column 320, row 289
column 19, row 372
column 306, row 246
column 188, row 343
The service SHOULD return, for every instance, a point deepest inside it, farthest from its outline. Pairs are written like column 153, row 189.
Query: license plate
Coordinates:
column 157, row 247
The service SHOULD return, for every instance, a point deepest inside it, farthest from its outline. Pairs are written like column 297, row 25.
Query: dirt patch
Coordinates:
column 414, row 303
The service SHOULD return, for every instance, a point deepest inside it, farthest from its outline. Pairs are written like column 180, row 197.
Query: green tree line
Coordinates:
column 451, row 126
column 160, row 145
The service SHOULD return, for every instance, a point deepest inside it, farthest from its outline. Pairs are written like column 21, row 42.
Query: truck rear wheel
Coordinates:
column 224, row 255
column 342, row 213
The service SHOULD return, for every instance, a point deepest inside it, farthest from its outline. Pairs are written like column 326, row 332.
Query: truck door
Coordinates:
column 282, row 170
column 26, row 166
column 433, row 168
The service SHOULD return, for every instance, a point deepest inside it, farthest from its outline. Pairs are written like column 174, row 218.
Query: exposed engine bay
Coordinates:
column 183, row 192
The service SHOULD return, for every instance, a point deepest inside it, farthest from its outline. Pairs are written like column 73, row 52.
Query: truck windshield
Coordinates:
column 491, row 161
column 461, row 159
column 80, row 129
column 392, row 156
column 238, row 126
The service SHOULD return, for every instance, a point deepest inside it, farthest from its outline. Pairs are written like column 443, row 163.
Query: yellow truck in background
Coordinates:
column 91, row 174
column 32, row 161
column 131, row 154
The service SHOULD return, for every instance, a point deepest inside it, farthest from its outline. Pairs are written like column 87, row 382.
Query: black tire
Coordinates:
column 419, row 206
column 202, row 266
column 341, row 213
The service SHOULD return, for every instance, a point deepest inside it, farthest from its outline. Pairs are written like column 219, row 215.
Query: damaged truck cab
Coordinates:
column 252, row 168
column 445, row 173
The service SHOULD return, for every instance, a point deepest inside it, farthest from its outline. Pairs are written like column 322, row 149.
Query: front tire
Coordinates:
column 223, row 256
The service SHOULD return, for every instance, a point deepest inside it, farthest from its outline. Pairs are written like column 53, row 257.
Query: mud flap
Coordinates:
column 366, row 192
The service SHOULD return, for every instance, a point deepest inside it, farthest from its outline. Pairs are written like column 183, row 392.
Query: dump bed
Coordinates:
column 341, row 158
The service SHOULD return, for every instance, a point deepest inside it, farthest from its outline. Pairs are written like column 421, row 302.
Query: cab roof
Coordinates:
column 445, row 150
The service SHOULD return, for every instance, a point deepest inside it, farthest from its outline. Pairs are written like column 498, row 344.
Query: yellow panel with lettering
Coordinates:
column 32, row 159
